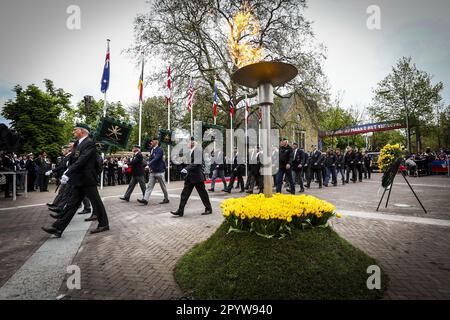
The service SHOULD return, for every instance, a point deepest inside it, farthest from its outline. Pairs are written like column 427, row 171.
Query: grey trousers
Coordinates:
column 218, row 173
column 151, row 184
column 134, row 181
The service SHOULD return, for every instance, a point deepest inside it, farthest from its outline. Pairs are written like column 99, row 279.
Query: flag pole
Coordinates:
column 104, row 115
column 169, row 101
column 168, row 146
column 140, row 100
column 246, row 136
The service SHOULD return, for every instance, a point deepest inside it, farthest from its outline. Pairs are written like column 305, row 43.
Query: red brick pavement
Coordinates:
column 136, row 258
column 416, row 257
column 20, row 236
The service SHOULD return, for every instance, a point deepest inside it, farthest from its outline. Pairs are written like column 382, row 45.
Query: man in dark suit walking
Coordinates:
column 238, row 168
column 194, row 179
column 298, row 164
column 138, row 173
column 82, row 173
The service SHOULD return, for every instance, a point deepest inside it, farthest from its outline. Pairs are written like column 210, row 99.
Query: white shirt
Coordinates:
column 81, row 140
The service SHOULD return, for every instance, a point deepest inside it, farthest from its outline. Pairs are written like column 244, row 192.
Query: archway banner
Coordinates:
column 364, row 128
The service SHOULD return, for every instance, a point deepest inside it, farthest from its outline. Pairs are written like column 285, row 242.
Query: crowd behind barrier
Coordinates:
column 117, row 171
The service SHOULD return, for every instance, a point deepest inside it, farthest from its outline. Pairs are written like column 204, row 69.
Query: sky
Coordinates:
column 36, row 44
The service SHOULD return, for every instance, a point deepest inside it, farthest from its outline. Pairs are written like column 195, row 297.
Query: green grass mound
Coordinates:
column 311, row 264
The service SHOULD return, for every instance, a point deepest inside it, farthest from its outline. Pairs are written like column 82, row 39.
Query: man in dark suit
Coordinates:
column 298, row 164
column 316, row 163
column 218, row 169
column 238, row 170
column 82, row 173
column 65, row 190
column 194, row 179
column 59, row 170
column 254, row 167
column 43, row 164
column 138, row 173
column 285, row 161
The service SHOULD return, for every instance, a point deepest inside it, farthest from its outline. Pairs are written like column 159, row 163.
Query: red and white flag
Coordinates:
column 247, row 110
column 169, row 87
column 190, row 95
column 231, row 108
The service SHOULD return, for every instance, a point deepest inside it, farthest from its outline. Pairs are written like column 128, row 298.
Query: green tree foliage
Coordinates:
column 406, row 92
column 336, row 118
column 39, row 117
column 193, row 36
column 90, row 113
column 154, row 117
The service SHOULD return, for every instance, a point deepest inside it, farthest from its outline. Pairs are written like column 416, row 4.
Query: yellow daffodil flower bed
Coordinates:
column 388, row 154
column 276, row 216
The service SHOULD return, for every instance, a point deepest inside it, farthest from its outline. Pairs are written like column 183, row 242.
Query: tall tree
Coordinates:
column 406, row 93
column 37, row 116
column 91, row 111
column 193, row 37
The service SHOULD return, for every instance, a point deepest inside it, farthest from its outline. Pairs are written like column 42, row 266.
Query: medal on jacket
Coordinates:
column 77, row 153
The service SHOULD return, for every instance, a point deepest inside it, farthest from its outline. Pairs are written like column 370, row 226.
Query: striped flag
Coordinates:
column 215, row 102
column 141, row 81
column 231, row 108
column 169, row 86
column 105, row 76
column 259, row 114
column 190, row 95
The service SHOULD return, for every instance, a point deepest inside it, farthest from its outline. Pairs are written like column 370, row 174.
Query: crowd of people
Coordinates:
column 295, row 167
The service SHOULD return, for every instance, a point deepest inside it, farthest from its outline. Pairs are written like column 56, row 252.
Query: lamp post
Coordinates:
column 264, row 76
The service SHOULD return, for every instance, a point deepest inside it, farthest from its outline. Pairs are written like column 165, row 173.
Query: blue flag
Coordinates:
column 105, row 77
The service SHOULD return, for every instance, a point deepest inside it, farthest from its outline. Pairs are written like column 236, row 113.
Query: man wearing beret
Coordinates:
column 137, row 172
column 82, row 173
column 157, row 167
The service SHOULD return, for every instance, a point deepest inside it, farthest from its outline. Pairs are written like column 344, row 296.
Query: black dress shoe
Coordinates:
column 55, row 216
column 164, row 201
column 57, row 233
column 211, row 190
column 143, row 201
column 91, row 218
column 207, row 211
column 302, row 190
column 124, row 199
column 50, row 204
column 100, row 229
column 57, row 210
column 85, row 211
column 177, row 213
column 227, row 190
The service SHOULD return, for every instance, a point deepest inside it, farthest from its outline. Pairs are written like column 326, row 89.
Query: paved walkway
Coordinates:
column 135, row 260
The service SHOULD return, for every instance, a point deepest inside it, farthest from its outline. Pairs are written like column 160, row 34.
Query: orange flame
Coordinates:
column 244, row 26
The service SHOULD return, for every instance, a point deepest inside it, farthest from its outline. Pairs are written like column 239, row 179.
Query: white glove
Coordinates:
column 49, row 172
column 184, row 171
column 64, row 179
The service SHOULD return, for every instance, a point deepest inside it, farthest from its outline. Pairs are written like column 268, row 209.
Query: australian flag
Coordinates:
column 105, row 77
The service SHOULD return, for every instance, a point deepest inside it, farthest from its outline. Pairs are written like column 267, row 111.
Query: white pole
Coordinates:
column 140, row 121
column 168, row 146
column 103, row 154
column 246, row 135
column 231, row 140
column 192, row 117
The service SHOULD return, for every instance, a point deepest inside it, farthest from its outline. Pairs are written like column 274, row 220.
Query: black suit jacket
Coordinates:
column 137, row 165
column 195, row 170
column 298, row 158
column 62, row 166
column 83, row 163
